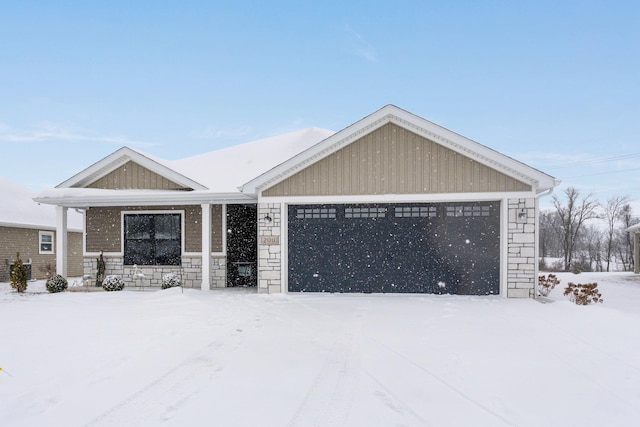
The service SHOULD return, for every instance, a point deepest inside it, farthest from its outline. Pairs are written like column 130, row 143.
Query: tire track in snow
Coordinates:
column 444, row 383
column 399, row 403
column 318, row 394
column 162, row 397
column 329, row 399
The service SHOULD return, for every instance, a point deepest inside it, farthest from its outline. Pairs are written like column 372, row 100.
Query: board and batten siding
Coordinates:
column 134, row 176
column 27, row 242
column 104, row 227
column 394, row 160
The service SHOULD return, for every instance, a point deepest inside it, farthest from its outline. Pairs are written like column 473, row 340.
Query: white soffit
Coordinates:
column 120, row 157
column 436, row 133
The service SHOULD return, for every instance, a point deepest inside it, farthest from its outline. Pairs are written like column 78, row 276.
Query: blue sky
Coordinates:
column 549, row 83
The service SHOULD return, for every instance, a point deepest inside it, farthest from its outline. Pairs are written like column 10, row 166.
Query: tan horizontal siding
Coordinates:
column 133, row 176
column 103, row 229
column 192, row 228
column 217, row 232
column 393, row 160
column 26, row 241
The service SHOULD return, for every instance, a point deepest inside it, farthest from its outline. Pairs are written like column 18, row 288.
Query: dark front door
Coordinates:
column 418, row 248
column 242, row 243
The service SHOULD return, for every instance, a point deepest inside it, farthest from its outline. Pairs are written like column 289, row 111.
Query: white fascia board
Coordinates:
column 392, row 114
column 159, row 198
column 399, row 198
column 119, row 158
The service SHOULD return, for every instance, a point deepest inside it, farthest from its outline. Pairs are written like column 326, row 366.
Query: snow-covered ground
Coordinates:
column 234, row 358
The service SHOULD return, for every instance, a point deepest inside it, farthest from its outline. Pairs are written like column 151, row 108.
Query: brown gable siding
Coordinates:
column 393, row 160
column 104, row 227
column 133, row 176
column 26, row 241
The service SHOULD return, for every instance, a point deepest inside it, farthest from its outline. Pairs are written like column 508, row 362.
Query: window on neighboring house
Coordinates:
column 46, row 242
column 152, row 239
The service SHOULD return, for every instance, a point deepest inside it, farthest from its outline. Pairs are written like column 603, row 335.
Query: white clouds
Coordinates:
column 47, row 131
column 360, row 46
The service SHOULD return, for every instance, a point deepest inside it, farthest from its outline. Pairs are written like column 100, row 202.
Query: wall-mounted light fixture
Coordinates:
column 267, row 219
column 522, row 216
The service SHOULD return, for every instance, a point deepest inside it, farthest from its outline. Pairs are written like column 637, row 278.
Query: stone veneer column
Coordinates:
column 521, row 245
column 219, row 271
column 269, row 248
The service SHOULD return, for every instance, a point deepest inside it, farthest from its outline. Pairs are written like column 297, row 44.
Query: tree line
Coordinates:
column 582, row 234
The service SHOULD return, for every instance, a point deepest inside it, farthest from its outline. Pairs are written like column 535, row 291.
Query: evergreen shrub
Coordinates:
column 113, row 282
column 19, row 275
column 56, row 283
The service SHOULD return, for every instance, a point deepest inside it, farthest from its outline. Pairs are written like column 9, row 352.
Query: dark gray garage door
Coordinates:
column 420, row 248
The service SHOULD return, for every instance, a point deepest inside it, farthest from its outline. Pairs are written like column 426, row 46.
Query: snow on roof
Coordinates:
column 226, row 169
column 18, row 208
column 634, row 229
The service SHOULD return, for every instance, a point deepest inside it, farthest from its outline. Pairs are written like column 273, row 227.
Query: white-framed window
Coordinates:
column 45, row 242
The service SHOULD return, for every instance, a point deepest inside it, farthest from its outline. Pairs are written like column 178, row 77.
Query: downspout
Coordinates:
column 536, row 251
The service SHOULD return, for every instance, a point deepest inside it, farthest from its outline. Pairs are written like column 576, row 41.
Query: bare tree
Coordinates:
column 625, row 241
column 589, row 249
column 572, row 217
column 612, row 213
column 550, row 236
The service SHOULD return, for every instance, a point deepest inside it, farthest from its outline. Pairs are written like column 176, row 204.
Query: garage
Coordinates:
column 433, row 248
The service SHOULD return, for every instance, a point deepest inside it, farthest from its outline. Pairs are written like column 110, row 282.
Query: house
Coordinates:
column 30, row 229
column 635, row 232
column 392, row 203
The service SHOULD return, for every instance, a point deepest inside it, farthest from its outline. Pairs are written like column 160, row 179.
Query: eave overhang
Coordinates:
column 83, row 198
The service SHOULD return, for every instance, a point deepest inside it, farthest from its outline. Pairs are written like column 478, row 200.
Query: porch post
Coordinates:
column 61, row 241
column 206, row 247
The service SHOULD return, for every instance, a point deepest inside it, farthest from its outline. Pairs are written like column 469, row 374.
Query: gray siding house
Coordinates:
column 392, row 203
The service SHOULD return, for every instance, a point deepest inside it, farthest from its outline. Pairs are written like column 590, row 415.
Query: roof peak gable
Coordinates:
column 120, row 157
column 393, row 114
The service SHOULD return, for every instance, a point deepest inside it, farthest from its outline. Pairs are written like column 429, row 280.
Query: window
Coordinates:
column 416, row 212
column 367, row 212
column 152, row 239
column 457, row 211
column 45, row 242
column 307, row 213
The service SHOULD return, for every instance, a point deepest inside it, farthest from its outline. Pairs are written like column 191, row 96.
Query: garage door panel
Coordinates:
column 417, row 248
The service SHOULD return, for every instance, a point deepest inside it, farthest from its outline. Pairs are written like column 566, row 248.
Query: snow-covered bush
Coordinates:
column 170, row 280
column 56, row 283
column 19, row 275
column 113, row 283
column 583, row 294
column 546, row 284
